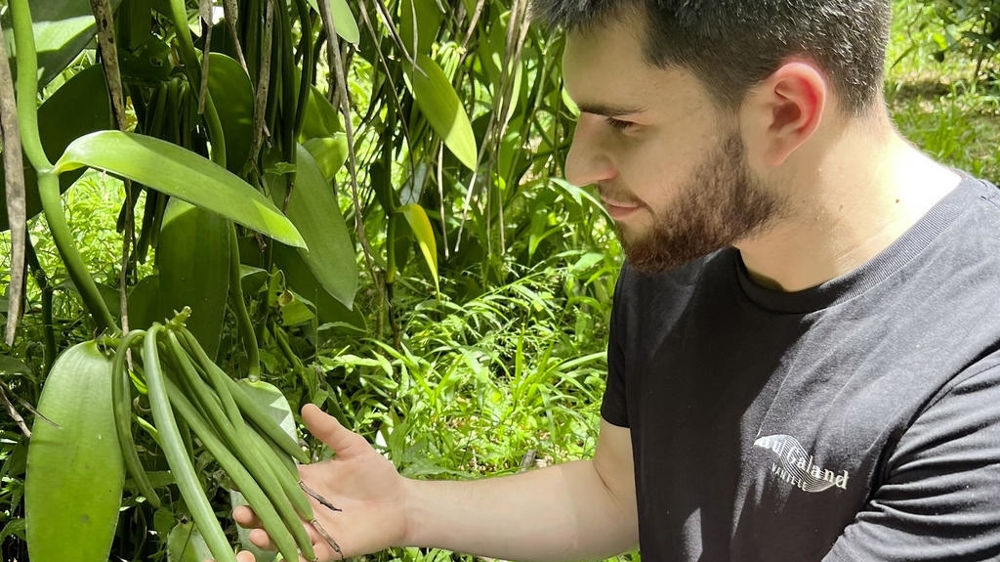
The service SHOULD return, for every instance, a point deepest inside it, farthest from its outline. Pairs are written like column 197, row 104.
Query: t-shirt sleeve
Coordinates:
column 614, row 407
column 940, row 499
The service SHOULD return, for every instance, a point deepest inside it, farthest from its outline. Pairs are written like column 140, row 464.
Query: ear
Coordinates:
column 785, row 110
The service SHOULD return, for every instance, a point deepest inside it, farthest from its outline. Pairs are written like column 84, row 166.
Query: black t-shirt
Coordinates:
column 858, row 420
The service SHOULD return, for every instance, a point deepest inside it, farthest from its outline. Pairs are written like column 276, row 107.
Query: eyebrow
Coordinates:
column 608, row 110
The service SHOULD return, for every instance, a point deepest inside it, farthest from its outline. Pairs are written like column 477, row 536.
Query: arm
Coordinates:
column 583, row 509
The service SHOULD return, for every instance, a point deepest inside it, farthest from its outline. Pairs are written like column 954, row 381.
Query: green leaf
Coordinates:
column 144, row 303
column 233, row 96
column 185, row 544
column 416, row 217
column 313, row 209
column 175, row 171
column 78, row 107
column 439, row 103
column 428, row 20
column 322, row 119
column 330, row 153
column 343, row 19
column 347, row 26
column 193, row 260
column 273, row 402
column 62, row 28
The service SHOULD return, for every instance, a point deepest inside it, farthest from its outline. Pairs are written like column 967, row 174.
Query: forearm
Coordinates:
column 562, row 512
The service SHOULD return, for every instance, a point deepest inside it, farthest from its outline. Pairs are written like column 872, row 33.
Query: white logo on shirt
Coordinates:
column 795, row 466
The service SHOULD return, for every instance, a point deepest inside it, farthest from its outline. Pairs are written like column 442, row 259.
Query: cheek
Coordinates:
column 654, row 172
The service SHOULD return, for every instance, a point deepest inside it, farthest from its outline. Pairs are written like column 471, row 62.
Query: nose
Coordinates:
column 588, row 162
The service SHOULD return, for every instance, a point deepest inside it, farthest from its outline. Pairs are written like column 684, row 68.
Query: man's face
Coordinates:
column 670, row 168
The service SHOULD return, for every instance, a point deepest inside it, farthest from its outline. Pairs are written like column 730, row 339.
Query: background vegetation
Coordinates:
column 502, row 368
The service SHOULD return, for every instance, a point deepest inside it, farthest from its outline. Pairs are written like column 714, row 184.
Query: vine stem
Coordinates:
column 48, row 179
column 27, row 85
column 48, row 191
column 240, row 306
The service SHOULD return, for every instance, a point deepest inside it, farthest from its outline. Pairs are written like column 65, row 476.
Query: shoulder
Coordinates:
column 938, row 501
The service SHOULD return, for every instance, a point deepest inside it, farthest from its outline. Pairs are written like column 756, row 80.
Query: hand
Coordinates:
column 360, row 482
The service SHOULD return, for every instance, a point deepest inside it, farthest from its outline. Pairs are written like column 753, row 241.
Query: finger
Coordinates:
column 246, row 518
column 242, row 556
column 327, row 429
column 262, row 540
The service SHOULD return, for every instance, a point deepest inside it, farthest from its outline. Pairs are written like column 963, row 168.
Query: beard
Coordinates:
column 722, row 203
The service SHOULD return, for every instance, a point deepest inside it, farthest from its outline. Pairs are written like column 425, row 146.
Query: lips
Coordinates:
column 617, row 206
column 619, row 210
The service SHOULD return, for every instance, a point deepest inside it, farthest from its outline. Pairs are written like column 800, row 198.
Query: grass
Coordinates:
column 938, row 105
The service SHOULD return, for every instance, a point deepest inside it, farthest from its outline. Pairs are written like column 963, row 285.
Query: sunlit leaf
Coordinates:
column 427, row 16
column 439, row 103
column 347, row 26
column 175, row 171
column 185, row 544
column 330, row 153
column 321, row 119
column 416, row 217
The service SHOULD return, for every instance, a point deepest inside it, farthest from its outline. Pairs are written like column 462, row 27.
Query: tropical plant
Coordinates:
column 269, row 151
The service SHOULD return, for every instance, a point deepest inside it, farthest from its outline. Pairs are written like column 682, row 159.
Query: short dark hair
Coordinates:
column 731, row 45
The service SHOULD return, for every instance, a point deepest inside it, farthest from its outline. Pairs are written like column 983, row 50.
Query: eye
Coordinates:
column 618, row 124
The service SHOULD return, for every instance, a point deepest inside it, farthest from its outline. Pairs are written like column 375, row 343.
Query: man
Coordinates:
column 805, row 347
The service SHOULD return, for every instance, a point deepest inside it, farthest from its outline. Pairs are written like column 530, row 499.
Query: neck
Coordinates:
column 854, row 192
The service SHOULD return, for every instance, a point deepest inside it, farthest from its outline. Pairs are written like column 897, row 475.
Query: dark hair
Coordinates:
column 731, row 45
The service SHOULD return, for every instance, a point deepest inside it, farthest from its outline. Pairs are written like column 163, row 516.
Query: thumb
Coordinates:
column 327, row 429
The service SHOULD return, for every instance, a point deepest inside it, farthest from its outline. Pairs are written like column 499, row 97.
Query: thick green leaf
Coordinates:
column 193, row 260
column 78, row 107
column 185, row 544
column 62, row 28
column 144, row 303
column 343, row 19
column 175, row 171
column 233, row 95
column 330, row 153
column 321, row 119
column 75, row 472
column 416, row 217
column 427, row 16
column 313, row 209
column 347, row 26
column 439, row 103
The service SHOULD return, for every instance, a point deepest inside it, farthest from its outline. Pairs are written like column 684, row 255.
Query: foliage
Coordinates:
column 480, row 282
column 969, row 27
